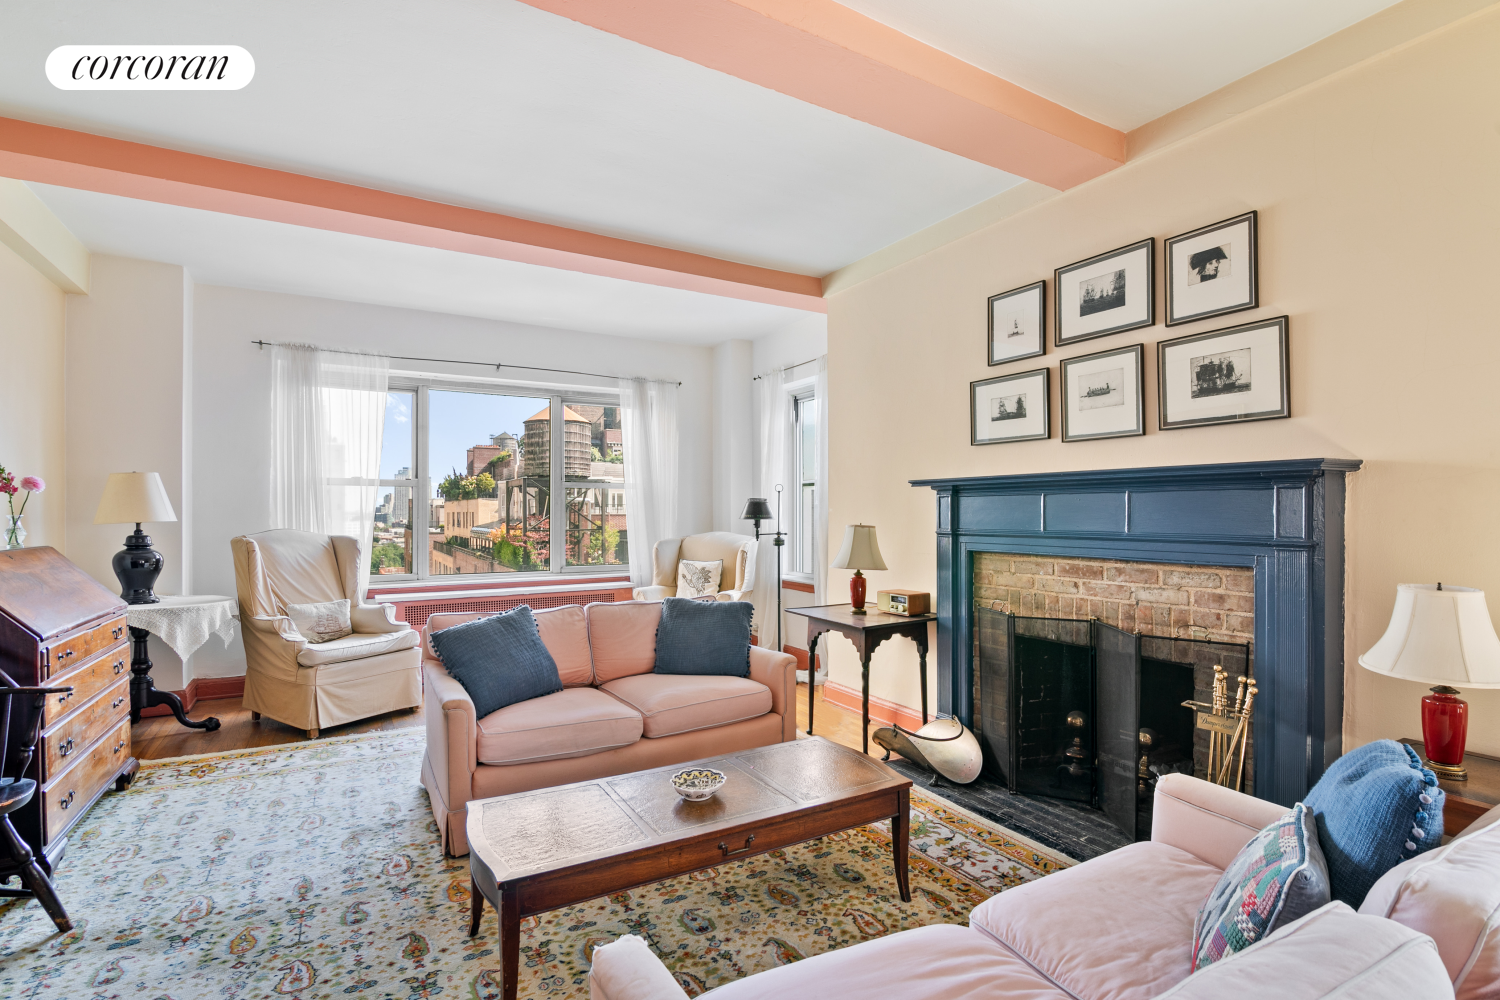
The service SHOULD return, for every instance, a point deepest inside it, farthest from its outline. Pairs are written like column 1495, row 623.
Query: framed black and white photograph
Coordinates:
column 1110, row 293
column 1212, row 271
column 1225, row 376
column 1010, row 408
column 1102, row 394
column 1018, row 323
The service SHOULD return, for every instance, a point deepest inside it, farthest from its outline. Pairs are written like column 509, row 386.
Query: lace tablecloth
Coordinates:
column 185, row 623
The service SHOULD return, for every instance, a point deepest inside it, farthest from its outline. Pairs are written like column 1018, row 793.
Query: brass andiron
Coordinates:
column 1227, row 722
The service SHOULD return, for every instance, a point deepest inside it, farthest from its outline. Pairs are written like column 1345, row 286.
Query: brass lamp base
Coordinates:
column 1453, row 772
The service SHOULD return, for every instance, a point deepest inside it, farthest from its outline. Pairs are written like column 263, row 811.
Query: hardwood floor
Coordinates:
column 159, row 737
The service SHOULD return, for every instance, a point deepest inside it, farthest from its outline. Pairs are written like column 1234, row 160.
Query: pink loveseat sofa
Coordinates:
column 614, row 714
column 1120, row 927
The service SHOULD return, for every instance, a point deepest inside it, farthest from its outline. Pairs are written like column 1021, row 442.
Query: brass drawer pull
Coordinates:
column 67, row 801
column 117, row 702
column 64, row 749
column 119, row 666
column 118, row 747
column 729, row 854
column 117, row 631
column 62, row 699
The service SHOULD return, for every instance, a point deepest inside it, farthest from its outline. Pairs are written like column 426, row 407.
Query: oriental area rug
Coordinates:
column 314, row 871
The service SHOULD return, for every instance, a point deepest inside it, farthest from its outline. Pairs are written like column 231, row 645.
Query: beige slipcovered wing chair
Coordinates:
column 736, row 551
column 316, row 685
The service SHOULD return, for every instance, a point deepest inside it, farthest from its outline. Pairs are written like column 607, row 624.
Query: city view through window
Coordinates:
column 490, row 508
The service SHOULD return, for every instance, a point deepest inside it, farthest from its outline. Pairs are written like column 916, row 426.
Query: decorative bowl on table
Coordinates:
column 698, row 783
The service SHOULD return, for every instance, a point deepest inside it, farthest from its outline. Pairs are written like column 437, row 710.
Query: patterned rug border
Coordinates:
column 954, row 811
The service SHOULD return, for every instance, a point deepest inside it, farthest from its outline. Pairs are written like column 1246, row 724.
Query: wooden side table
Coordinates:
column 1467, row 800
column 866, row 631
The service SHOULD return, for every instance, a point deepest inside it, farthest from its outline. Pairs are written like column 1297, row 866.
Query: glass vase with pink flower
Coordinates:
column 15, row 531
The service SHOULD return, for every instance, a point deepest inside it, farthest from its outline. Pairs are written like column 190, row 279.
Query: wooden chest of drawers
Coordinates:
column 61, row 628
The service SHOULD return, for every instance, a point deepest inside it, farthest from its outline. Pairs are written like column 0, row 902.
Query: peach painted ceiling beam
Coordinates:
column 51, row 155
column 836, row 58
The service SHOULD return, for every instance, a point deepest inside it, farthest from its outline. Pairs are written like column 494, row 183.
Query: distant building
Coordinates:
column 401, row 496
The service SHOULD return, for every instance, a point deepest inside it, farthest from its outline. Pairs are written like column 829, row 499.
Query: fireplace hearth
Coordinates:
column 1278, row 523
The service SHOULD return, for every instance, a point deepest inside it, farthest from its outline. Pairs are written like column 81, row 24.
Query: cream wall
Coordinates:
column 32, row 317
column 1379, row 237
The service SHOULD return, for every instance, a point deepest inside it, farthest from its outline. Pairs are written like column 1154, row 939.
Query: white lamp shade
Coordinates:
column 134, row 497
column 860, row 550
column 1438, row 637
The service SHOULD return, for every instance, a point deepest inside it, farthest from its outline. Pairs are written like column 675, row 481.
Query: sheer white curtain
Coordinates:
column 820, row 502
column 773, row 410
column 327, row 415
column 648, row 431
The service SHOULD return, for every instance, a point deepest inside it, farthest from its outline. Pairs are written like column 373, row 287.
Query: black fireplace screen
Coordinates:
column 1081, row 710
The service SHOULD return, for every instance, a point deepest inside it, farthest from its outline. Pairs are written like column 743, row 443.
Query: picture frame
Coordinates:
column 1213, row 271
column 1018, row 323
column 1004, row 409
column 1110, row 293
column 1103, row 394
column 1237, row 374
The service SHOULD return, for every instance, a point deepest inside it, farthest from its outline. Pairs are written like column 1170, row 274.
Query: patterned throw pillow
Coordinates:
column 321, row 622
column 1276, row 878
column 698, row 579
column 1376, row 807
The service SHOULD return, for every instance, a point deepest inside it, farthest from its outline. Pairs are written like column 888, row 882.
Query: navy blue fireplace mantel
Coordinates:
column 1283, row 519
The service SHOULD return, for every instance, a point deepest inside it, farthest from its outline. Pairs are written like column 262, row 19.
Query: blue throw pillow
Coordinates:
column 500, row 660
column 704, row 637
column 1376, row 807
column 1276, row 878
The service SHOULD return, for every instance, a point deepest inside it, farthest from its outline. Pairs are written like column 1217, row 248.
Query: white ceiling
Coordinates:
column 496, row 105
column 500, row 106
column 273, row 256
column 1123, row 64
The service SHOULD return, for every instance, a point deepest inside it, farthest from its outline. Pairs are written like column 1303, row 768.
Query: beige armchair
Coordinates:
column 736, row 551
column 307, row 685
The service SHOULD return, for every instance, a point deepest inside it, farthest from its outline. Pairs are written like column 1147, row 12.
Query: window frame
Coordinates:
column 800, row 392
column 555, row 399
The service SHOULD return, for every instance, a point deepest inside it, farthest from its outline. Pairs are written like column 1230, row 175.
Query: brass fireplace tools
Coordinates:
column 1228, row 727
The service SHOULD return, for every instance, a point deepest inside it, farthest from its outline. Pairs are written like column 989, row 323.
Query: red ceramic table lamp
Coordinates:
column 860, row 551
column 1443, row 636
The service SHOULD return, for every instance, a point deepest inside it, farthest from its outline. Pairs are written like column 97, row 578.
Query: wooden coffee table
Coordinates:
column 537, row 851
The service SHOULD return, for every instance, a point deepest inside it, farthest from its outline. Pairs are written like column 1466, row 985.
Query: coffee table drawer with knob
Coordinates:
column 540, row 850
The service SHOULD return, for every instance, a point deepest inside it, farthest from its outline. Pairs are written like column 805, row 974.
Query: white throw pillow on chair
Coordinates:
column 698, row 579
column 321, row 622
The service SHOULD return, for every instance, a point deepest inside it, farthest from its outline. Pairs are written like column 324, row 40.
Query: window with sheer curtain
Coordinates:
column 481, row 479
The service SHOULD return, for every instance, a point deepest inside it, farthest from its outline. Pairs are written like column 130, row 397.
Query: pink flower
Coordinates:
column 33, row 483
column 8, row 484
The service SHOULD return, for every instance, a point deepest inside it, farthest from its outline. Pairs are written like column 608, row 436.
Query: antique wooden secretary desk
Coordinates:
column 60, row 628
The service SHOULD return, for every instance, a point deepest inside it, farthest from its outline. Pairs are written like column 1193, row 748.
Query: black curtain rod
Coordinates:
column 263, row 344
column 787, row 368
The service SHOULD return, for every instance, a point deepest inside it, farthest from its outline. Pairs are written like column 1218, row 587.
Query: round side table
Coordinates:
column 185, row 624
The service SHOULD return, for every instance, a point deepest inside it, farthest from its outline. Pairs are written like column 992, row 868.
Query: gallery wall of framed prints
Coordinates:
column 1234, row 374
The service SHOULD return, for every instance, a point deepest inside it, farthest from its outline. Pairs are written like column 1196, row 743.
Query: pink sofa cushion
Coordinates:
column 571, row 723
column 937, row 962
column 623, row 638
column 1451, row 894
column 564, row 632
column 1331, row 952
column 1117, row 928
column 681, row 703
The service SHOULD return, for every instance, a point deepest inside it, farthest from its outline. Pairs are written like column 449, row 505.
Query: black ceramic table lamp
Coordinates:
column 136, row 497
